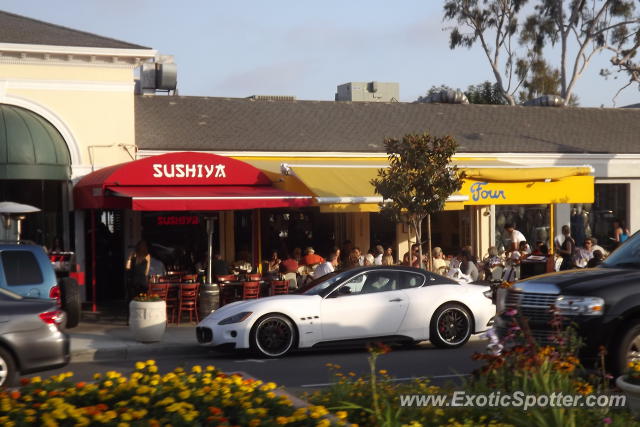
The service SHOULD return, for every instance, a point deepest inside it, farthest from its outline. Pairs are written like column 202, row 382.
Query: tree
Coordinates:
column 543, row 80
column 418, row 180
column 582, row 30
column 485, row 93
column 579, row 28
column 482, row 93
column 494, row 24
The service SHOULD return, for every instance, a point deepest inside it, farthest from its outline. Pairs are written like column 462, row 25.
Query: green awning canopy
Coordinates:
column 30, row 147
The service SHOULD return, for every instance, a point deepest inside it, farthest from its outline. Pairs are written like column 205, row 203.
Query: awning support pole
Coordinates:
column 93, row 261
column 209, row 223
column 552, row 232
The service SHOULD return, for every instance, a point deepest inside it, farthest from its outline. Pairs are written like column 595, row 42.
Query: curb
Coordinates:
column 136, row 352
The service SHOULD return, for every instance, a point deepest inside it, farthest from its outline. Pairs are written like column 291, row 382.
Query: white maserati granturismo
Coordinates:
column 366, row 304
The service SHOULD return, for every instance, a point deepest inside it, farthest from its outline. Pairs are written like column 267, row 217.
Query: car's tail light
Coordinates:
column 55, row 317
column 54, row 293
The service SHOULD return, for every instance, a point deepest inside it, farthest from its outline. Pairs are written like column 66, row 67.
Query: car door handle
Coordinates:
column 395, row 300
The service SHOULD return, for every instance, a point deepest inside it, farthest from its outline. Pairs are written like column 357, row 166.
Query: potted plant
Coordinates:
column 630, row 385
column 147, row 317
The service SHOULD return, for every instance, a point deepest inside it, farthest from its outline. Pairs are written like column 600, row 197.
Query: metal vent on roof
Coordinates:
column 448, row 97
column 546, row 101
column 272, row 97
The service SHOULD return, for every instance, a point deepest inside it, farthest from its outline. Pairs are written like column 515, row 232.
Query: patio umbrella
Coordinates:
column 16, row 208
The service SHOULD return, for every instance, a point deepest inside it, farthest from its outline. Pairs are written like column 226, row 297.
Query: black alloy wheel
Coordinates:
column 273, row 335
column 451, row 326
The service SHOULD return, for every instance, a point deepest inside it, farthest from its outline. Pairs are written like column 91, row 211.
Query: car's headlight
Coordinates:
column 575, row 306
column 236, row 318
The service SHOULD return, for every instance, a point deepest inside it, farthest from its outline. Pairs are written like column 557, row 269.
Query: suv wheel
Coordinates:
column 8, row 370
column 71, row 304
column 628, row 350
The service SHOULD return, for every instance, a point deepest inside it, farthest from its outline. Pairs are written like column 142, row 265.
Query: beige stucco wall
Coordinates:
column 92, row 107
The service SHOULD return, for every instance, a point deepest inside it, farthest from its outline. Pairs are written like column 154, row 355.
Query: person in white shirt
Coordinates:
column 514, row 236
column 378, row 256
column 326, row 267
column 582, row 255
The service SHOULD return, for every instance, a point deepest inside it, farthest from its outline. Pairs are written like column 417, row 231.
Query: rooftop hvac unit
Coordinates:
column 166, row 76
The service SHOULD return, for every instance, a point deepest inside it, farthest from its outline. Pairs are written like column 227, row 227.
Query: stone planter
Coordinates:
column 147, row 320
column 632, row 391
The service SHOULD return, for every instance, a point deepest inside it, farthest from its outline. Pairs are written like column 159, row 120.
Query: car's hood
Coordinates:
column 588, row 281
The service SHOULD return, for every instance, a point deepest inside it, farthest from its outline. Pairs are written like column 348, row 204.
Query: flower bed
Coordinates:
column 201, row 397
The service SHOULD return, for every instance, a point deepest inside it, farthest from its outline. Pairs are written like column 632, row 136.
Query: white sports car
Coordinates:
column 379, row 303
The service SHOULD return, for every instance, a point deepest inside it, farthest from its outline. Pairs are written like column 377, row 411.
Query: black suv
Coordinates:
column 603, row 302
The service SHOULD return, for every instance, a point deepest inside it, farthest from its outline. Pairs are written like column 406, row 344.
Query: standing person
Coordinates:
column 353, row 260
column 567, row 248
column 467, row 264
column 379, row 253
column 137, row 266
column 387, row 258
column 583, row 254
column 620, row 232
column 514, row 236
column 326, row 267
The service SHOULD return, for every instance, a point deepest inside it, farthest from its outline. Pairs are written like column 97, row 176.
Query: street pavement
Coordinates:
column 103, row 346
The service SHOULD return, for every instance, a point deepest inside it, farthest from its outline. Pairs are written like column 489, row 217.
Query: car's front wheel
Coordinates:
column 451, row 326
column 273, row 335
column 8, row 371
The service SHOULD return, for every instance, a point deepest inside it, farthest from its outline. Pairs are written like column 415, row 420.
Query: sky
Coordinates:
column 300, row 48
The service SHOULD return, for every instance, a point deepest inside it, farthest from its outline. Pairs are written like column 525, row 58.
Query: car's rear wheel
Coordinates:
column 71, row 303
column 628, row 350
column 273, row 335
column 451, row 326
column 8, row 371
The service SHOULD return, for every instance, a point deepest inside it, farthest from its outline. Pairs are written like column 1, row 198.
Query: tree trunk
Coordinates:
column 419, row 241
column 430, row 260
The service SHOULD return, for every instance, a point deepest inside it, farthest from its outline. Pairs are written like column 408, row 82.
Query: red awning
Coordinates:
column 204, row 198
column 182, row 181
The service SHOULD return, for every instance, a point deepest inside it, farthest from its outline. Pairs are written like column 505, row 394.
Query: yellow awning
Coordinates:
column 519, row 174
column 343, row 185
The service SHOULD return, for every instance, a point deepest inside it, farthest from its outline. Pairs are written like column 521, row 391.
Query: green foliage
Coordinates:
column 420, row 176
column 485, row 93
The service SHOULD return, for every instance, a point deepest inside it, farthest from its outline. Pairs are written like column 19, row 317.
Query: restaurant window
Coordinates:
column 283, row 230
column 530, row 220
column 595, row 220
column 178, row 239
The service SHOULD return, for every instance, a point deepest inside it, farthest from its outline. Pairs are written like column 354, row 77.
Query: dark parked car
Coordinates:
column 26, row 270
column 30, row 336
column 603, row 302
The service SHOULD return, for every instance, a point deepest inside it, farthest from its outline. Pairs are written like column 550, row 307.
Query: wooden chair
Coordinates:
column 189, row 278
column 254, row 277
column 279, row 287
column 250, row 290
column 172, row 300
column 227, row 278
column 159, row 289
column 188, row 301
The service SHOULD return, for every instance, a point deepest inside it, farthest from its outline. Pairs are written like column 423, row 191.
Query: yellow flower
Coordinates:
column 150, row 362
column 184, row 395
column 341, row 414
column 323, row 423
column 140, row 366
column 383, row 371
column 196, row 369
column 153, row 369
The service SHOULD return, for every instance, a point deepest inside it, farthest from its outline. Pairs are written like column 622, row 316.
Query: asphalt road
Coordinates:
column 306, row 370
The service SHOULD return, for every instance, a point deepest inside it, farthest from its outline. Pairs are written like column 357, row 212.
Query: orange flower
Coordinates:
column 15, row 395
column 80, row 385
column 24, row 381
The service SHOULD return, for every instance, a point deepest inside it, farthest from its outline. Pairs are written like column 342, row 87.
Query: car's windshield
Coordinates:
column 322, row 285
column 626, row 256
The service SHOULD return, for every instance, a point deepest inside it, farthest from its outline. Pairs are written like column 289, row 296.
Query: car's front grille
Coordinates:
column 204, row 334
column 534, row 307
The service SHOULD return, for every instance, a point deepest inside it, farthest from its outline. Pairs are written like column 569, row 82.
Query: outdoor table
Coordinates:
column 237, row 285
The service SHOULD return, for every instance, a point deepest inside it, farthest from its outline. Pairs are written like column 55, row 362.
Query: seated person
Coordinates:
column 597, row 259
column 219, row 266
column 311, row 258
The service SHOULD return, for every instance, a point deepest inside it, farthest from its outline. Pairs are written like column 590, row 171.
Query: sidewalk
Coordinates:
column 100, row 338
